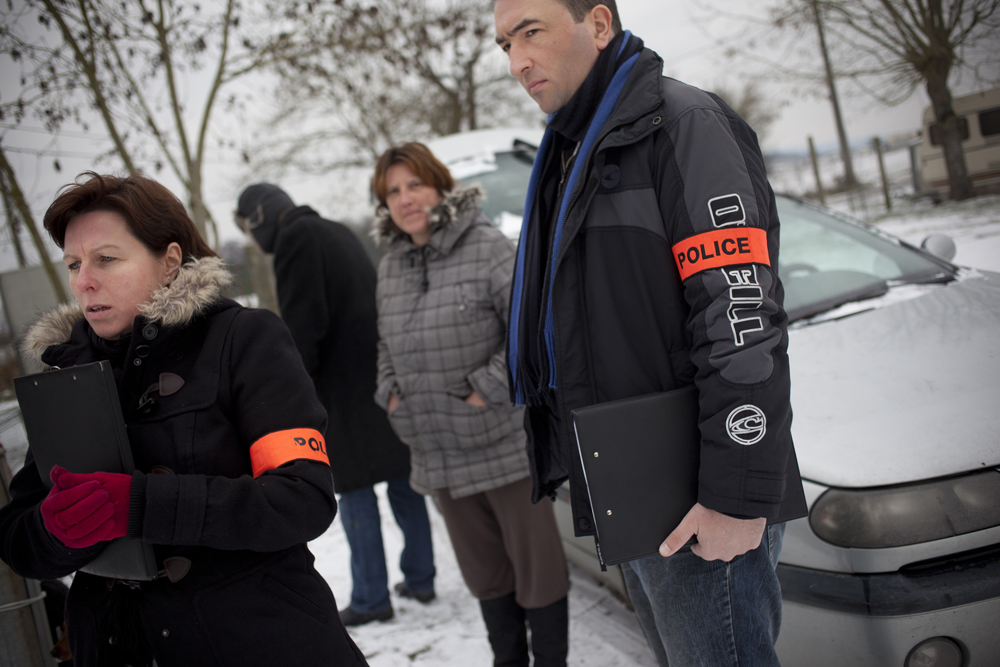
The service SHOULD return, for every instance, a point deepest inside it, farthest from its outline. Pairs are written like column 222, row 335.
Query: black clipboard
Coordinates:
column 640, row 459
column 73, row 418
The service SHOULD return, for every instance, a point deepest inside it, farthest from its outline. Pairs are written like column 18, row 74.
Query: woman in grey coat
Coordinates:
column 443, row 291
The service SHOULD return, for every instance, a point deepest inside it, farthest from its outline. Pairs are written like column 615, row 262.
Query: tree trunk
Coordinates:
column 89, row 69
column 15, row 228
column 196, row 203
column 262, row 278
column 471, row 111
column 951, row 137
column 22, row 207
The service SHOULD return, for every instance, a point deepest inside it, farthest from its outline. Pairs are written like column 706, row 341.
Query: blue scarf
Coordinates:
column 604, row 109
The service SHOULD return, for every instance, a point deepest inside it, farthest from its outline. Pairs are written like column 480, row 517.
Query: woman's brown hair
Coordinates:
column 419, row 159
column 153, row 214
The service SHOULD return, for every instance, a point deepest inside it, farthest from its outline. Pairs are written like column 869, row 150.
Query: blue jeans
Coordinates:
column 362, row 524
column 711, row 613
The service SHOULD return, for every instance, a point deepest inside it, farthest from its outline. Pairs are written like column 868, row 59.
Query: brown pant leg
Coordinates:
column 532, row 544
column 478, row 543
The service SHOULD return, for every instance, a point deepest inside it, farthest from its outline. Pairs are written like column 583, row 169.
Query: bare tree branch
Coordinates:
column 391, row 70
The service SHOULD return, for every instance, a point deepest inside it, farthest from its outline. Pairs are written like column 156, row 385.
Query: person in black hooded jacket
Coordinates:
column 326, row 293
column 231, row 479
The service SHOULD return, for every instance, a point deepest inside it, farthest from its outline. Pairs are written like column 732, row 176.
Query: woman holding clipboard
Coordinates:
column 226, row 433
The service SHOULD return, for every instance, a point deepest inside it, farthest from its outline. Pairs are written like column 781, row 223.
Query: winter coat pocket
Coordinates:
column 402, row 423
column 475, row 313
column 462, row 426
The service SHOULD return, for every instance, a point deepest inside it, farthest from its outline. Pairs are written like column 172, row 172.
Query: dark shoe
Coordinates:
column 404, row 591
column 350, row 617
column 507, row 632
column 549, row 633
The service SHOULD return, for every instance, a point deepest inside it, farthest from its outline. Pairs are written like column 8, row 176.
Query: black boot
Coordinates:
column 549, row 634
column 504, row 620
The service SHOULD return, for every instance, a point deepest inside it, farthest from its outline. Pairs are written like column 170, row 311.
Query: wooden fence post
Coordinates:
column 881, row 168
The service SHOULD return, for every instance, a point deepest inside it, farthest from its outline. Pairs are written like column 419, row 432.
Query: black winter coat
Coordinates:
column 252, row 595
column 657, row 286
column 326, row 291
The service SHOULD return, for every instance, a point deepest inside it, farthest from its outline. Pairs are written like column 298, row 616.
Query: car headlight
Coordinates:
column 901, row 515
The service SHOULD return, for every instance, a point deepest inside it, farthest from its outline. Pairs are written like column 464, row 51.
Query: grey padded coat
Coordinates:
column 442, row 319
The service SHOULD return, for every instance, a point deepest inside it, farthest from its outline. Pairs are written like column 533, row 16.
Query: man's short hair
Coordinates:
column 579, row 9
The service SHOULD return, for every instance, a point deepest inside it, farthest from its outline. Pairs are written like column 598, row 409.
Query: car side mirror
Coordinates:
column 939, row 245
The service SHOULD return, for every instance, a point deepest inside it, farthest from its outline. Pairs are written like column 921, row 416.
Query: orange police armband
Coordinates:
column 721, row 247
column 278, row 448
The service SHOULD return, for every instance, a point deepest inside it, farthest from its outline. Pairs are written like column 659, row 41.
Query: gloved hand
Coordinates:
column 82, row 510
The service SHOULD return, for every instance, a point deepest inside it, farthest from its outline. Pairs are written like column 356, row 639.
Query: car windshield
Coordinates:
column 504, row 183
column 826, row 262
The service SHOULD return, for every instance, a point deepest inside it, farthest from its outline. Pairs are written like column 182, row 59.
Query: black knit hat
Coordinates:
column 263, row 204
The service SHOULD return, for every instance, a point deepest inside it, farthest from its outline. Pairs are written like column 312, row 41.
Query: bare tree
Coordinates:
column 12, row 192
column 903, row 44
column 887, row 49
column 13, row 217
column 134, row 64
column 787, row 38
column 394, row 70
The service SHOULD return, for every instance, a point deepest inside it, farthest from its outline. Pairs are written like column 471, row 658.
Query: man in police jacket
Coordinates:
column 648, row 261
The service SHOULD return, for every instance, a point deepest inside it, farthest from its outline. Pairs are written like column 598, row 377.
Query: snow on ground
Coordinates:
column 974, row 225
column 449, row 631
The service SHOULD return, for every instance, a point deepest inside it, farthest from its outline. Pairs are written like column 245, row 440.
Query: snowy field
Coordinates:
column 449, row 631
column 974, row 226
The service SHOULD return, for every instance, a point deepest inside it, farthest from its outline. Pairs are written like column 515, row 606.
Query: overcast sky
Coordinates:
column 676, row 29
column 686, row 37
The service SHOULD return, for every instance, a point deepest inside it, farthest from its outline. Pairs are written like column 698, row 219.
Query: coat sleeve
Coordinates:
column 27, row 546
column 303, row 293
column 724, row 232
column 490, row 381
column 271, row 393
column 386, row 375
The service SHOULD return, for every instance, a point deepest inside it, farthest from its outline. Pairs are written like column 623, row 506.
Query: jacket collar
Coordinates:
column 456, row 213
column 296, row 213
column 196, row 288
column 643, row 94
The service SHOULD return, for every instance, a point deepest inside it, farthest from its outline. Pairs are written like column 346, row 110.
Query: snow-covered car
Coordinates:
column 895, row 362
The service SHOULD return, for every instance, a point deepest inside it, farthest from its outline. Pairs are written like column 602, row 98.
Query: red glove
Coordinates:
column 82, row 510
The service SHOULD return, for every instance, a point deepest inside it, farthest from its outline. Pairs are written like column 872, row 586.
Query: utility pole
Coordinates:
column 815, row 164
column 260, row 266
column 845, row 150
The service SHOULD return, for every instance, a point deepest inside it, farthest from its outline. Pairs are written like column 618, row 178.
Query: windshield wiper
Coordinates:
column 937, row 278
column 869, row 291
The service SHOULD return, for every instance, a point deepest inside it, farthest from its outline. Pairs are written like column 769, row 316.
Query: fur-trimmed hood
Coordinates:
column 453, row 206
column 198, row 285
